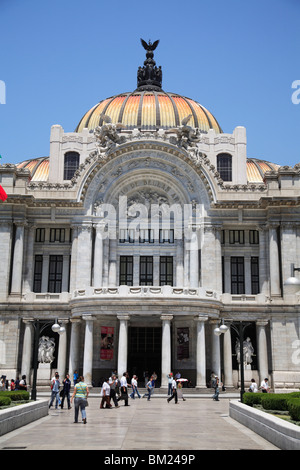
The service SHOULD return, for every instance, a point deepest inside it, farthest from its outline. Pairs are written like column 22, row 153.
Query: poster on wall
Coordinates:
column 107, row 343
column 183, row 342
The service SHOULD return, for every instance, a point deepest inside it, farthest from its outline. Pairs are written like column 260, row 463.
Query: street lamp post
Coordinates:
column 239, row 329
column 56, row 328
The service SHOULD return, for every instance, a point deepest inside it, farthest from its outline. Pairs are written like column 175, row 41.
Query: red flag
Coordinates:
column 3, row 195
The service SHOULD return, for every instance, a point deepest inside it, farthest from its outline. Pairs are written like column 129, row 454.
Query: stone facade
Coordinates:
column 226, row 255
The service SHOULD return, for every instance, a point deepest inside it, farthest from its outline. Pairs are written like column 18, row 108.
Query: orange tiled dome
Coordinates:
column 149, row 109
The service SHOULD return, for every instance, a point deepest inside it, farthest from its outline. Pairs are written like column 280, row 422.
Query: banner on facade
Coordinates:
column 107, row 343
column 183, row 342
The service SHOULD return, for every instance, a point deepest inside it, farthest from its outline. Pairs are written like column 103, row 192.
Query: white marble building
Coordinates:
column 142, row 232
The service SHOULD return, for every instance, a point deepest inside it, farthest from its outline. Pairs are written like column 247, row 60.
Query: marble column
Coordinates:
column 200, row 352
column 84, row 256
column 62, row 352
column 98, row 257
column 227, row 351
column 73, row 266
column 179, row 264
column 263, row 261
column 166, row 349
column 29, row 259
column 216, row 353
column 262, row 349
column 112, row 269
column 274, row 262
column 88, row 349
column 74, row 346
column 194, row 261
column 5, row 250
column 123, row 344
column 16, row 281
column 27, row 348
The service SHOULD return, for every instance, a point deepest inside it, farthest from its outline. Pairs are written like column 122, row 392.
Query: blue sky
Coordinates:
column 239, row 59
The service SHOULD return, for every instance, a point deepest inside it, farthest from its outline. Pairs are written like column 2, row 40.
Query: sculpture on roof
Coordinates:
column 149, row 77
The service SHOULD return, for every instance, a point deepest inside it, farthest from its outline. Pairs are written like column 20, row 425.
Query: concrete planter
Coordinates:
column 18, row 416
column 285, row 436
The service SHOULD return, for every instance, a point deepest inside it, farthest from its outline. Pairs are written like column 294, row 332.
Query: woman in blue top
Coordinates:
column 81, row 392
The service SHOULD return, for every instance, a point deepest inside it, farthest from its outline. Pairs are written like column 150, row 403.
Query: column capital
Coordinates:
column 201, row 318
column 123, row 317
column 87, row 317
column 166, row 317
column 75, row 320
column 262, row 322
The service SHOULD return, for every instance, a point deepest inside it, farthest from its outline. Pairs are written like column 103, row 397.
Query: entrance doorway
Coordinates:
column 144, row 352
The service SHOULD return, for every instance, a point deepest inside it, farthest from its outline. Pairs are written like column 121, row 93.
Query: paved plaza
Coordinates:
column 194, row 424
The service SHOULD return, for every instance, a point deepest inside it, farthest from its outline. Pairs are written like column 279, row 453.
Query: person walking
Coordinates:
column 170, row 380
column 66, row 391
column 134, row 386
column 215, row 385
column 80, row 395
column 253, row 386
column 180, row 391
column 105, row 394
column 124, row 387
column 113, row 383
column 265, row 387
column 149, row 387
column 55, row 384
column 174, row 392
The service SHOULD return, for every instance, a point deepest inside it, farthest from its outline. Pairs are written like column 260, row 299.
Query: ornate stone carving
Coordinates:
column 46, row 350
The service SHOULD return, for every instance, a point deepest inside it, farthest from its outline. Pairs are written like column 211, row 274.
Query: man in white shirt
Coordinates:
column 124, row 386
column 265, row 388
column 134, row 387
column 105, row 394
column 174, row 392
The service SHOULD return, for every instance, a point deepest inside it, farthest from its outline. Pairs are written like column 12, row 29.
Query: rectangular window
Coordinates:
column 166, row 236
column 55, row 273
column 253, row 237
column 57, row 235
column 166, row 271
column 254, row 275
column 146, row 271
column 126, row 270
column 40, row 235
column 237, row 275
column 38, row 271
column 236, row 236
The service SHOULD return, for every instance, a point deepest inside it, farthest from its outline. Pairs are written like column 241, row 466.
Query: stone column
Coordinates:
column 211, row 259
column 274, row 262
column 16, row 282
column 227, row 351
column 84, row 256
column 288, row 249
column 179, row 264
column 112, row 273
column 98, row 257
column 73, row 267
column 166, row 349
column 263, row 261
column 5, row 250
column 66, row 273
column 27, row 348
column 29, row 260
column 45, row 273
column 200, row 353
column 62, row 352
column 123, row 344
column 216, row 354
column 88, row 349
column 74, row 347
column 194, row 261
column 262, row 349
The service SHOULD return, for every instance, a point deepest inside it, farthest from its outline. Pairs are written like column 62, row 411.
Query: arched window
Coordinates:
column 224, row 166
column 71, row 164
